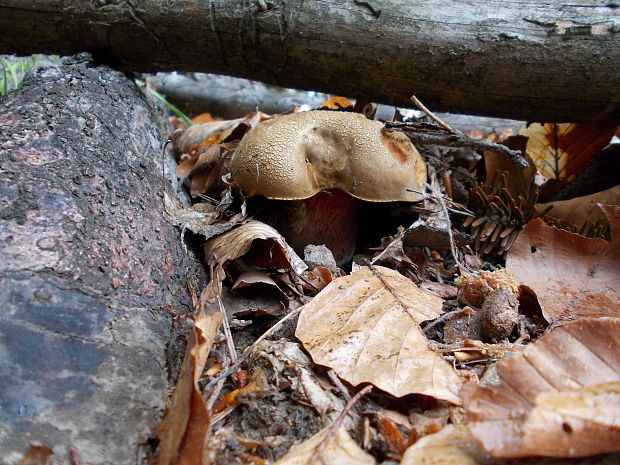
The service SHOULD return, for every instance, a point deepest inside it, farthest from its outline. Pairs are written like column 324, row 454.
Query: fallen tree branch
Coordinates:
column 421, row 133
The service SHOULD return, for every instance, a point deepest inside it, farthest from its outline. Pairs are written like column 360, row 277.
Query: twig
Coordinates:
column 307, row 281
column 453, row 249
column 457, row 140
column 226, row 325
column 213, row 395
column 399, row 237
column 316, row 456
column 341, row 387
column 434, row 117
column 235, row 366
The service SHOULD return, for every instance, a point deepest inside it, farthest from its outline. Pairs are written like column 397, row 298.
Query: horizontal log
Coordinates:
column 546, row 61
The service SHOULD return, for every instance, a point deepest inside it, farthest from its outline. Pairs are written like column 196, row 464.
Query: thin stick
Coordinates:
column 316, row 456
column 399, row 237
column 226, row 325
column 235, row 366
column 334, row 379
column 218, row 388
column 431, row 115
column 419, row 136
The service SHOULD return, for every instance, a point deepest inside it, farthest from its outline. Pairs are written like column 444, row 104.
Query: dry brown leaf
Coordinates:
column 561, row 150
column 574, row 213
column 319, row 277
column 366, row 327
column 453, row 445
column 518, row 179
column 341, row 450
column 258, row 288
column 261, row 245
column 182, row 433
column 572, row 276
column 559, row 397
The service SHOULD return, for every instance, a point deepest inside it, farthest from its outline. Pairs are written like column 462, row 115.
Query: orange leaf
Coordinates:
column 561, row 150
column 337, row 103
column 203, row 118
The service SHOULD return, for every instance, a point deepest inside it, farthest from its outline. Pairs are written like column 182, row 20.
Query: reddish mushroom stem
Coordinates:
column 329, row 217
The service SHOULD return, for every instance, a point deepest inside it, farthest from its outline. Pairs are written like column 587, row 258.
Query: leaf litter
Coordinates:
column 367, row 325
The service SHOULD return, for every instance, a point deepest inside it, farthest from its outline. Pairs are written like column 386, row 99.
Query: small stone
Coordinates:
column 320, row 255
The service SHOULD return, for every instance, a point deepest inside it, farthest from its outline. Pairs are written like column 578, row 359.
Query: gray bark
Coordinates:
column 549, row 61
column 90, row 272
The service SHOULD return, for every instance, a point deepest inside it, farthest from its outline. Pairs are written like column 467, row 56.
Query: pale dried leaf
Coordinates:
column 572, row 276
column 185, row 139
column 257, row 288
column 236, row 243
column 198, row 219
column 559, row 397
column 453, row 445
column 366, row 327
column 341, row 450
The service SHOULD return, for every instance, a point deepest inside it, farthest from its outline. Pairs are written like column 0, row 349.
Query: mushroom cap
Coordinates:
column 297, row 155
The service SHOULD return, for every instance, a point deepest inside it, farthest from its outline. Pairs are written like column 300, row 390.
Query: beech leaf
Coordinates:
column 453, row 445
column 561, row 150
column 341, row 450
column 559, row 397
column 576, row 212
column 572, row 276
column 366, row 327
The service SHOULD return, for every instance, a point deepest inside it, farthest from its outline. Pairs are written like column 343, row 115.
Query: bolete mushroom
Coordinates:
column 326, row 161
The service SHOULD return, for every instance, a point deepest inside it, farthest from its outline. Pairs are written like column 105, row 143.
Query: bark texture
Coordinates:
column 90, row 273
column 547, row 61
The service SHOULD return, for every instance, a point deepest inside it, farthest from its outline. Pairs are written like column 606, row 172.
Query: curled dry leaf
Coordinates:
column 262, row 245
column 443, row 290
column 182, row 433
column 581, row 212
column 259, row 285
column 559, row 397
column 572, row 276
column 341, row 450
column 366, row 327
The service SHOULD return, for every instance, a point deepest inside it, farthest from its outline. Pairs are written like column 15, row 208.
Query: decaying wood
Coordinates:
column 91, row 274
column 548, row 61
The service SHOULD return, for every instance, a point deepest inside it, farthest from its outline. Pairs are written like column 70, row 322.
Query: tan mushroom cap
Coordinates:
column 295, row 156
